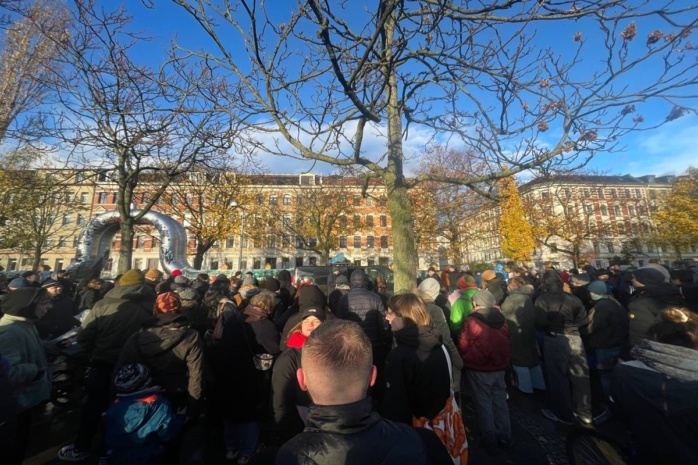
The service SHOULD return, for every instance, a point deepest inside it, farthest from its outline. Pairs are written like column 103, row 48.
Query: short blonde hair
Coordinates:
column 411, row 308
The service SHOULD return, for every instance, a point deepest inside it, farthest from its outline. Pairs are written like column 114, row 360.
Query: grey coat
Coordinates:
column 439, row 321
column 519, row 311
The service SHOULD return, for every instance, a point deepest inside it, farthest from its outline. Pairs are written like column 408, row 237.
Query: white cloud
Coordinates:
column 669, row 150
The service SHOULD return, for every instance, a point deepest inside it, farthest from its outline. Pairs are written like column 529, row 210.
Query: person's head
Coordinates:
column 482, row 298
column 45, row 268
column 431, row 271
column 188, row 297
column 516, row 282
column 31, row 303
column 678, row 327
column 579, row 280
column 431, row 288
column 264, row 301
column 342, row 281
column 132, row 277
column 31, row 276
column 95, row 283
column 597, row 290
column 602, row 275
column 53, row 287
column 311, row 296
column 131, row 378
column 17, row 283
column 487, row 275
column 407, row 309
column 466, row 281
column 549, row 266
column 249, row 274
column 647, row 277
column 552, row 280
column 153, row 275
column 168, row 302
column 358, row 279
column 337, row 363
column 681, row 277
column 203, row 278
column 272, row 284
column 310, row 320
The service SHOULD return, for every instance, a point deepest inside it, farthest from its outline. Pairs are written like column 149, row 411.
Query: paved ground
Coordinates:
column 537, row 441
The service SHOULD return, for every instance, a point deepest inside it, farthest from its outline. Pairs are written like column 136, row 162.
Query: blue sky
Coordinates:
column 670, row 149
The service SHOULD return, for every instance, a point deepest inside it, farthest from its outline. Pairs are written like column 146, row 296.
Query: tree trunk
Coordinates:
column 405, row 259
column 126, row 246
column 37, row 256
column 201, row 248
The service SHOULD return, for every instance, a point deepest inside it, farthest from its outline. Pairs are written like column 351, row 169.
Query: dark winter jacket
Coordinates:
column 353, row 434
column 608, row 325
column 656, row 398
column 520, row 313
column 174, row 354
column 558, row 312
column 58, row 320
column 583, row 294
column 121, row 313
column 286, row 394
column 644, row 307
column 416, row 375
column 484, row 341
column 87, row 298
column 366, row 308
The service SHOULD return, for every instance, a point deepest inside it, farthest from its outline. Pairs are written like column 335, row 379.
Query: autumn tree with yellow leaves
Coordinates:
column 677, row 220
column 516, row 233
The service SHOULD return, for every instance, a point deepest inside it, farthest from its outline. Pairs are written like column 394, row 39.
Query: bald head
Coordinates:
column 337, row 363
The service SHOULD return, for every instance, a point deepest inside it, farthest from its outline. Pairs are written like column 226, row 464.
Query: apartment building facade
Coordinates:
column 593, row 219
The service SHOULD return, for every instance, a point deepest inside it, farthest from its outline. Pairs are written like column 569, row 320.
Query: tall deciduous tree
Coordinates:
column 677, row 219
column 139, row 121
column 28, row 50
column 515, row 231
column 325, row 75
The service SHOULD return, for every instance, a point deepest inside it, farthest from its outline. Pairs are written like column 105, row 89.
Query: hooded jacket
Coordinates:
column 608, row 325
column 558, row 312
column 484, row 341
column 497, row 288
column 21, row 346
column 353, row 434
column 174, row 354
column 121, row 313
column 417, row 378
column 366, row 308
column 644, row 307
column 656, row 396
column 438, row 319
column 521, row 316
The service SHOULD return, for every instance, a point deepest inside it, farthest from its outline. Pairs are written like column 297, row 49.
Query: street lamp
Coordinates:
column 242, row 230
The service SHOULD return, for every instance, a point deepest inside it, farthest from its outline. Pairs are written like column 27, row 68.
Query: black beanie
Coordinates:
column 311, row 297
column 649, row 276
column 22, row 302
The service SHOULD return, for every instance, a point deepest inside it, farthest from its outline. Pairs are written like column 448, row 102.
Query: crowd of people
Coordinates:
column 291, row 375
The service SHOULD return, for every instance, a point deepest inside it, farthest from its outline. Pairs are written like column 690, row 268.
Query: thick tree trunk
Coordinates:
column 405, row 258
column 37, row 257
column 126, row 246
column 201, row 248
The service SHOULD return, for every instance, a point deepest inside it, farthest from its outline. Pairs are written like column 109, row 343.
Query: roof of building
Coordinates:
column 626, row 179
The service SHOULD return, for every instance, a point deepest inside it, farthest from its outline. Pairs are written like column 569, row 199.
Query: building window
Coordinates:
column 369, row 221
column 287, row 201
column 357, row 221
column 650, row 248
column 83, row 197
column 597, row 249
column 287, row 220
column 357, row 242
column 600, row 192
column 616, row 210
column 343, row 222
column 384, row 221
column 230, row 242
column 590, row 209
column 382, row 202
column 312, row 241
column 621, row 228
column 384, row 242
column 260, row 199
column 635, row 228
column 81, row 219
column 586, row 193
column 604, row 210
column 641, row 263
column 545, row 195
column 66, row 219
column 357, row 200
column 614, row 194
column 553, row 248
column 370, row 242
column 627, row 193
column 369, row 202
column 568, row 193
column 273, row 199
column 342, row 242
column 610, row 248
column 102, row 197
column 62, row 241
column 631, row 210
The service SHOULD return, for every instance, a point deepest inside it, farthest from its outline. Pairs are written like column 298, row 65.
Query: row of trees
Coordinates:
column 321, row 76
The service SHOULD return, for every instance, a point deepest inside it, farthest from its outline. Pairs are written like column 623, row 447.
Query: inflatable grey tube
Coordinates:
column 95, row 240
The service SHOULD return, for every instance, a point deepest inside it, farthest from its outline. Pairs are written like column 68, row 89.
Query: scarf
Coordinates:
column 296, row 340
column 675, row 361
column 255, row 314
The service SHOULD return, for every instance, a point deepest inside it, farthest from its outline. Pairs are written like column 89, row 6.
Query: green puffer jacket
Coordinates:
column 29, row 373
column 121, row 313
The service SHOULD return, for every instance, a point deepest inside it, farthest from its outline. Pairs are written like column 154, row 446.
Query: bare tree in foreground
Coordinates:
column 139, row 122
column 487, row 76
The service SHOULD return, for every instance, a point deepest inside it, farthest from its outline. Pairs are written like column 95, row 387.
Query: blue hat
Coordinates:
column 598, row 287
column 18, row 283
